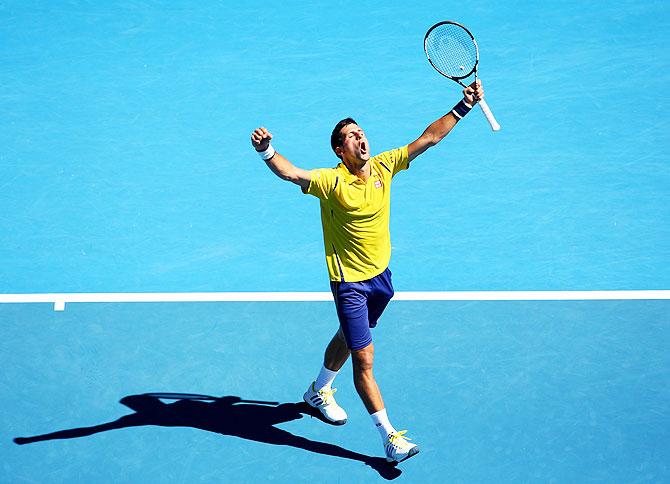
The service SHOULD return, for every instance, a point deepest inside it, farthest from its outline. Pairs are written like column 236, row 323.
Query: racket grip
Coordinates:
column 489, row 115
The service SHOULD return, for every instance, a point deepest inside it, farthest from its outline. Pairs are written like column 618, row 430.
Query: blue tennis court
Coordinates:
column 126, row 167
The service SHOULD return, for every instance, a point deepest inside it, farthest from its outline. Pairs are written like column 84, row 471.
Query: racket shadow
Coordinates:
column 228, row 415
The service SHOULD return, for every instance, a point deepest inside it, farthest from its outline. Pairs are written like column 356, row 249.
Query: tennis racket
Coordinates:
column 452, row 50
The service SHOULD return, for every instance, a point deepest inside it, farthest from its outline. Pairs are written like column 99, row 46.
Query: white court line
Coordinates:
column 59, row 300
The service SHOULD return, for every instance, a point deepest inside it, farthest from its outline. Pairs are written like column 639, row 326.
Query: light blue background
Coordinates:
column 126, row 165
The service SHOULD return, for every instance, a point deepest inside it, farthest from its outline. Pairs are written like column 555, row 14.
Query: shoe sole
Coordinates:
column 413, row 451
column 332, row 422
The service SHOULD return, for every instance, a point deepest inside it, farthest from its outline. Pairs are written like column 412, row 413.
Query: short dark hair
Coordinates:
column 336, row 137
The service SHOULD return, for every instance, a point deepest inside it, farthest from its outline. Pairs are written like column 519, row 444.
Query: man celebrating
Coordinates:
column 355, row 202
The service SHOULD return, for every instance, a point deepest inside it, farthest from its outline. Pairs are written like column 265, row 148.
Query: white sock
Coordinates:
column 381, row 421
column 325, row 378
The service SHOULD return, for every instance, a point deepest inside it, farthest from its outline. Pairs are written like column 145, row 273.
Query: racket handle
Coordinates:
column 489, row 115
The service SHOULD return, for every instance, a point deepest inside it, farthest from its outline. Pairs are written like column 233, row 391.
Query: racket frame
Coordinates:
column 482, row 104
column 453, row 78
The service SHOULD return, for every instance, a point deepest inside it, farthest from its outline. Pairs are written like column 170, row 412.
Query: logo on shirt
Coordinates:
column 378, row 184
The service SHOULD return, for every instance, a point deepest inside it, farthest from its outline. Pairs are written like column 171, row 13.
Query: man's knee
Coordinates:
column 363, row 359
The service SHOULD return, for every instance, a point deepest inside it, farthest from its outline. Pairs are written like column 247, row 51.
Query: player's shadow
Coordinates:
column 229, row 415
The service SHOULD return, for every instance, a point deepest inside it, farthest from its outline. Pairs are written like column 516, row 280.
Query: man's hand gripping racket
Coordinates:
column 451, row 49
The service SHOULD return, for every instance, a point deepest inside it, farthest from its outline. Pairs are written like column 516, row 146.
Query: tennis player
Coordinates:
column 355, row 201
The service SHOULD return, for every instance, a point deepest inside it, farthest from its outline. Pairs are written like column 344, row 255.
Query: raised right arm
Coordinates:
column 280, row 166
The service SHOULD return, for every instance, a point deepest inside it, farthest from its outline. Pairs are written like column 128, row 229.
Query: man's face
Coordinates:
column 354, row 144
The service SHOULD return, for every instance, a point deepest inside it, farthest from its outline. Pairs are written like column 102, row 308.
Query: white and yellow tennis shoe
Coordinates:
column 398, row 449
column 324, row 400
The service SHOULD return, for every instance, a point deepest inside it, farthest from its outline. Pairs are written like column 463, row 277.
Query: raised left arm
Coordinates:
column 441, row 127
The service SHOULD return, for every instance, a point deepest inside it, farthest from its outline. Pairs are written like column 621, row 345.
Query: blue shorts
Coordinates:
column 359, row 306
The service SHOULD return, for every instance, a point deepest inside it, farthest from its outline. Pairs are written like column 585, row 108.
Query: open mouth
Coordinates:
column 364, row 147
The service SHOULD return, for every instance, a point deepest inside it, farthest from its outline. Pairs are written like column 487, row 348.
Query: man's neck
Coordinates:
column 361, row 171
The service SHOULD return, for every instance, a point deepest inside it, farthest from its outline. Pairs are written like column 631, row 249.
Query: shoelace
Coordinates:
column 327, row 394
column 400, row 436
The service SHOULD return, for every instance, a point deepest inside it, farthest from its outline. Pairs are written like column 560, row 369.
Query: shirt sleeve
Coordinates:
column 394, row 161
column 322, row 183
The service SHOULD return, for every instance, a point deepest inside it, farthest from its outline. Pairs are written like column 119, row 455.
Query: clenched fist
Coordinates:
column 260, row 139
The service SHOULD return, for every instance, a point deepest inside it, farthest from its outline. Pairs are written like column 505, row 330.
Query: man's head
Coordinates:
column 349, row 142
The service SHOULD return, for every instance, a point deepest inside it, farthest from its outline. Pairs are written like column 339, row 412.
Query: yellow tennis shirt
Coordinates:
column 355, row 216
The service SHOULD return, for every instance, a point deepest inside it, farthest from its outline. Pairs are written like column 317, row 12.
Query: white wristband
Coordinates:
column 267, row 154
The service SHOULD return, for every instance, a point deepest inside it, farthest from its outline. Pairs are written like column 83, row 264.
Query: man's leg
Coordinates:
column 337, row 352
column 396, row 446
column 320, row 393
column 334, row 358
column 364, row 380
column 351, row 306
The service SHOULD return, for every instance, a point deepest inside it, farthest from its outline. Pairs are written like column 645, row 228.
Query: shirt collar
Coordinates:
column 350, row 177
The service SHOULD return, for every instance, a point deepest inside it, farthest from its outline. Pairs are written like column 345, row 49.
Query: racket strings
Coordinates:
column 451, row 50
